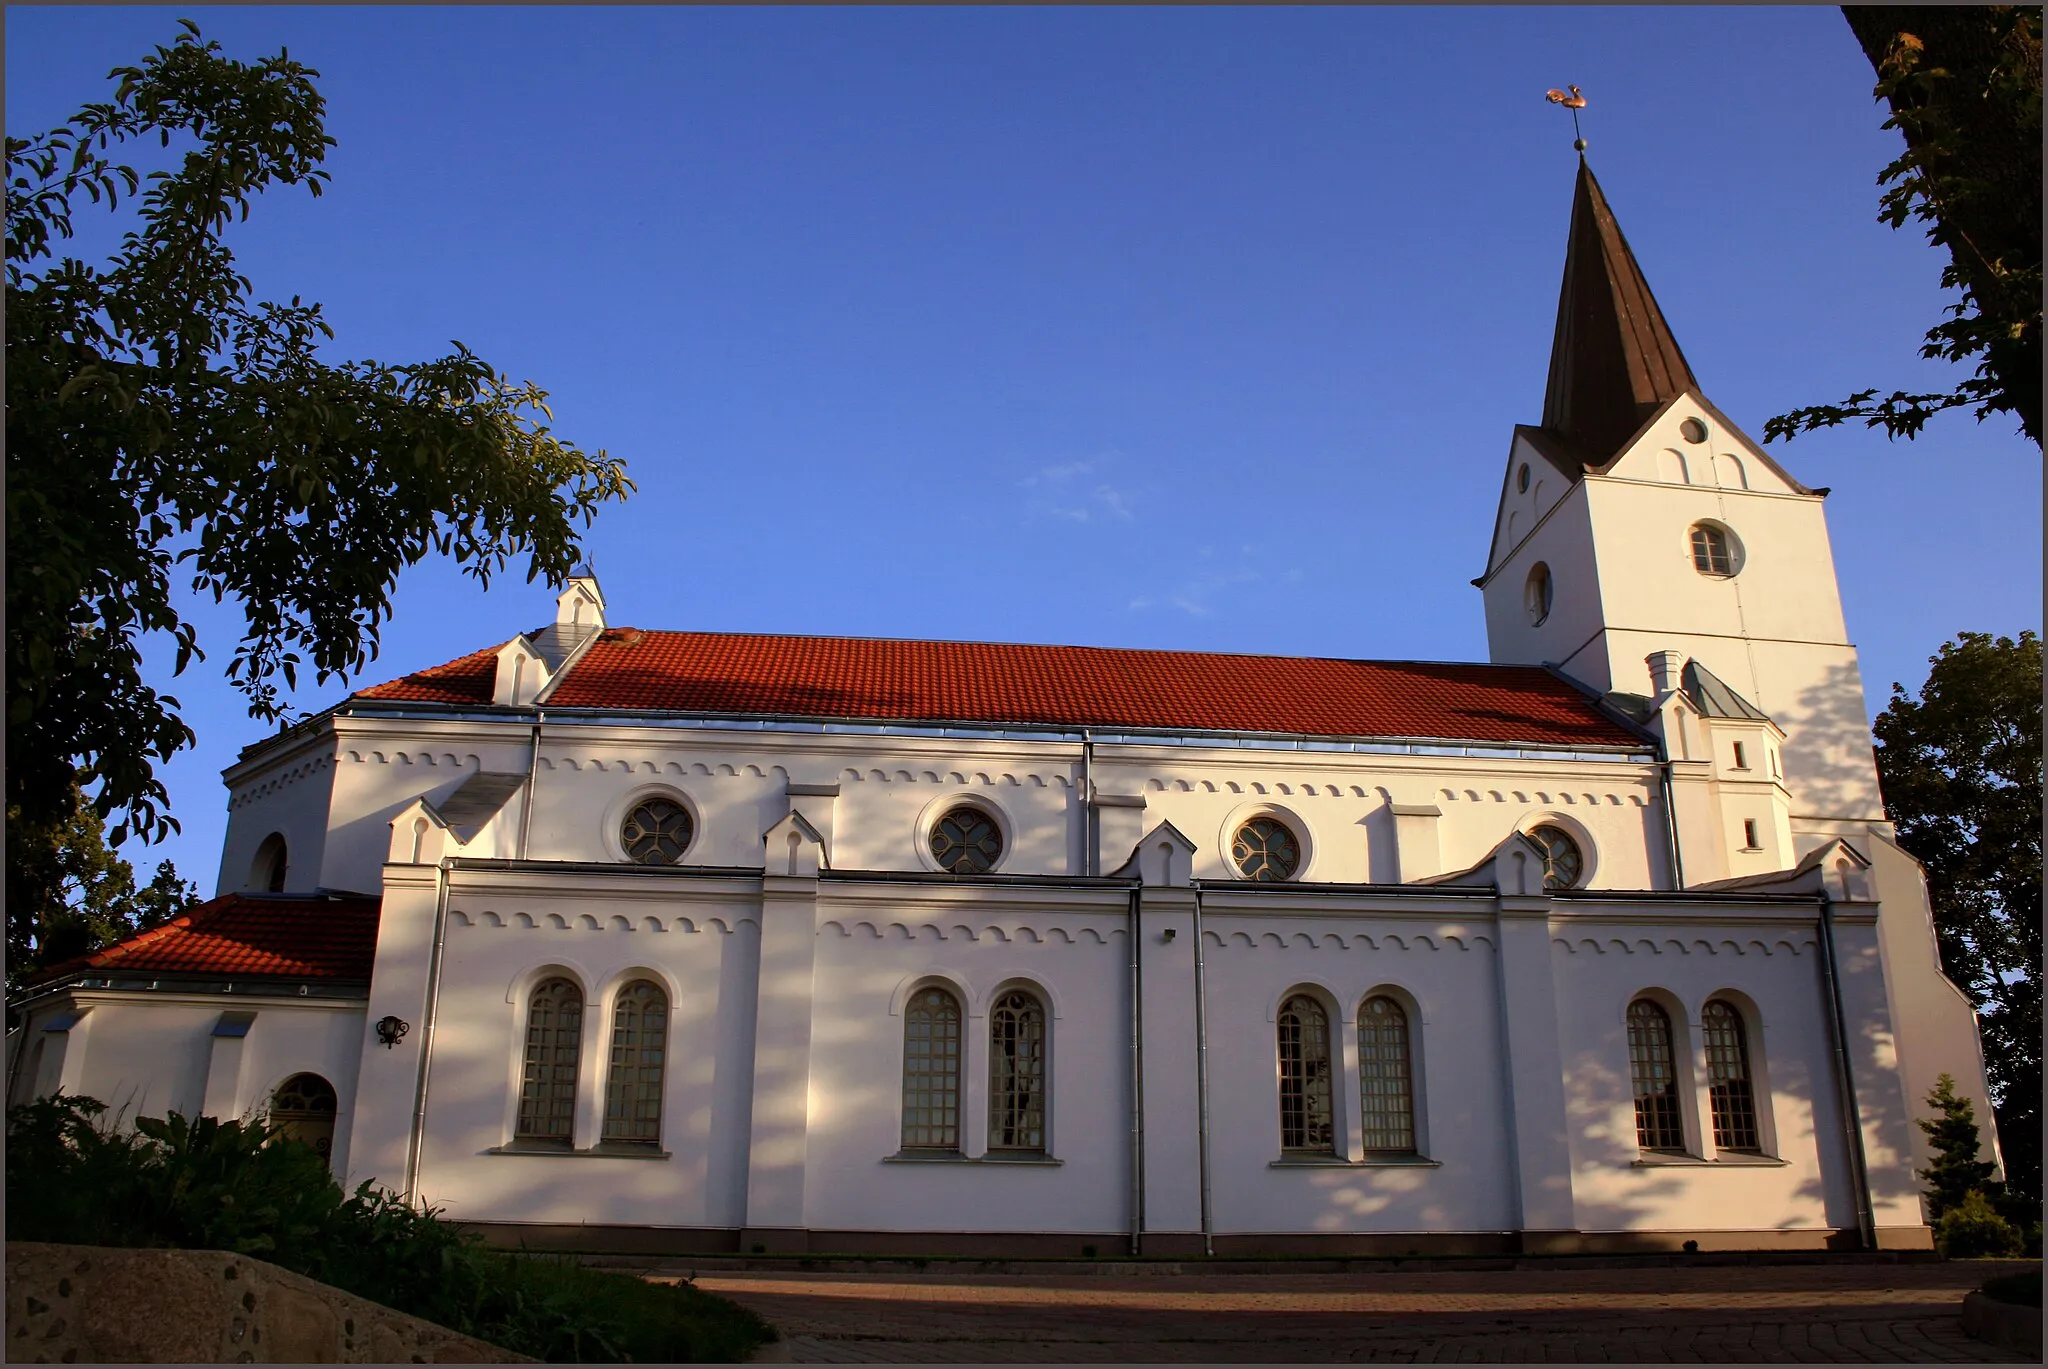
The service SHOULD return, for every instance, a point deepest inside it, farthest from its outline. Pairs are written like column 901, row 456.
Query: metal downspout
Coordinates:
column 1852, row 1118
column 1671, row 823
column 1202, row 1076
column 1137, row 1081
column 532, row 777
column 419, row 1098
column 1089, row 856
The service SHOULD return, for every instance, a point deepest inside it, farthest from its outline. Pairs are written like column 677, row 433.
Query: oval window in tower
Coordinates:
column 1563, row 862
column 1715, row 550
column 1537, row 594
column 966, row 840
column 1266, row 849
column 656, row 832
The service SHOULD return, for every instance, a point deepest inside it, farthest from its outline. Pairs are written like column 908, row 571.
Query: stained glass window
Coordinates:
column 1305, row 1112
column 656, row 832
column 1655, row 1076
column 1265, row 849
column 1016, row 1083
column 1728, row 1086
column 931, row 1071
column 1385, row 1086
column 554, row 1040
column 632, row 1103
column 1562, row 862
column 967, row 841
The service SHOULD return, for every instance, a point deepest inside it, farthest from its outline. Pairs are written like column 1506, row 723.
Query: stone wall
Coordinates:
column 87, row 1304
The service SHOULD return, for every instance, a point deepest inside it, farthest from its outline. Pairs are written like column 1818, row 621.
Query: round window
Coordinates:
column 966, row 841
column 1562, row 862
column 1265, row 849
column 1715, row 550
column 1692, row 430
column 1536, row 594
column 656, row 832
column 1522, row 479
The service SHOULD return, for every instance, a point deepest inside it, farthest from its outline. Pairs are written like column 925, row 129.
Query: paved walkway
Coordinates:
column 1750, row 1314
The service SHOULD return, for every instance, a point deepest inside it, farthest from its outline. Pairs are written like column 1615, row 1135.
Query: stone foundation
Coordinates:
column 89, row 1304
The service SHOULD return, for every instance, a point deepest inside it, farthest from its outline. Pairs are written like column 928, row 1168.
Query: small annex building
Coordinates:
column 668, row 940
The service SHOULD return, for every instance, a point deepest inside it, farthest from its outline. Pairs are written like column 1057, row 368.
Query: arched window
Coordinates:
column 632, row 1094
column 931, row 1071
column 267, row 871
column 1305, row 1113
column 1713, row 550
column 1654, row 1071
column 554, row 1041
column 1016, row 1073
column 1728, row 1087
column 303, row 1109
column 1386, row 1095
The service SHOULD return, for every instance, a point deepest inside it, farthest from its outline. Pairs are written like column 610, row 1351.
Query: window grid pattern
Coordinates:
column 967, row 841
column 1728, row 1086
column 1563, row 864
column 1266, row 849
column 1655, row 1075
column 656, row 832
column 554, row 1040
column 1710, row 554
column 931, row 1071
column 1016, row 1088
column 632, row 1102
column 1385, row 1087
column 1305, row 1111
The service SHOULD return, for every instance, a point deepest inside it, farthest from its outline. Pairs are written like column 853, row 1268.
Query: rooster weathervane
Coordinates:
column 1573, row 102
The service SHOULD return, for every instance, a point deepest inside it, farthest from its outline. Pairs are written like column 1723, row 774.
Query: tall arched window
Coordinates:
column 554, row 1041
column 1733, row 1101
column 1386, row 1097
column 303, row 1109
column 1016, row 1073
column 267, row 870
column 1305, row 1113
column 931, row 1071
column 1654, row 1071
column 632, row 1094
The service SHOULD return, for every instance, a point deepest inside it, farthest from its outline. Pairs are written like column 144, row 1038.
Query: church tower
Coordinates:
column 1644, row 544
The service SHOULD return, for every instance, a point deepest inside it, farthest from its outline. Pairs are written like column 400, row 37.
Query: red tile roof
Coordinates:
column 987, row 684
column 238, row 934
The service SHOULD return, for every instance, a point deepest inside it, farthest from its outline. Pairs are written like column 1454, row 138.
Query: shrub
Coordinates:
column 75, row 1176
column 1971, row 1229
column 2022, row 1290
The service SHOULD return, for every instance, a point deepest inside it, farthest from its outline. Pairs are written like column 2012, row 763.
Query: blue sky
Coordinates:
column 1195, row 328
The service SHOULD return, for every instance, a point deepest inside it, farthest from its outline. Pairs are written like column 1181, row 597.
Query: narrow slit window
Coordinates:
column 1654, row 1072
column 1016, row 1085
column 1386, row 1094
column 1733, row 1100
column 1305, row 1111
column 632, row 1104
column 931, row 1071
column 1741, row 759
column 554, row 1040
column 1749, row 842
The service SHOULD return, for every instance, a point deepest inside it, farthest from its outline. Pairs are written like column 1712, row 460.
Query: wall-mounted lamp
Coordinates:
column 1167, row 935
column 392, row 1030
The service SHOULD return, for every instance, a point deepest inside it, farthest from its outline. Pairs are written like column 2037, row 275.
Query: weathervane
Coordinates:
column 1573, row 102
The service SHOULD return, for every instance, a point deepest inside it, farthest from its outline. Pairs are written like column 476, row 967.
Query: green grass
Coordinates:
column 2022, row 1290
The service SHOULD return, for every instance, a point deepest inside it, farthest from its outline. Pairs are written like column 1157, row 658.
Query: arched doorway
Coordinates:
column 303, row 1109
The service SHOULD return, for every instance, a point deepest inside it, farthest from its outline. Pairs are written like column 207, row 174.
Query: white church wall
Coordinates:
column 286, row 793
column 383, row 764
column 876, row 946
column 1767, row 968
column 1563, row 543
column 1441, row 968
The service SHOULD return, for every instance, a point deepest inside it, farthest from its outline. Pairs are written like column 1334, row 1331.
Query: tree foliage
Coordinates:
column 162, row 422
column 1964, row 87
column 1961, row 770
column 96, row 900
column 1972, row 1213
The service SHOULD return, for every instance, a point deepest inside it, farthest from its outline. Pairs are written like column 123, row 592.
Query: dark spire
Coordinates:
column 1614, row 361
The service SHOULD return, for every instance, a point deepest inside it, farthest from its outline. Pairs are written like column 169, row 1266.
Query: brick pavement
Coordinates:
column 1900, row 1313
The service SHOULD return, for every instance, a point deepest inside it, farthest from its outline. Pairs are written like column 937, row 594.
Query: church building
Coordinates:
column 626, row 938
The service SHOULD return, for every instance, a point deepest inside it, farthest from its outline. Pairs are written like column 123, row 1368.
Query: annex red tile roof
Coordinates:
column 986, row 684
column 237, row 935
